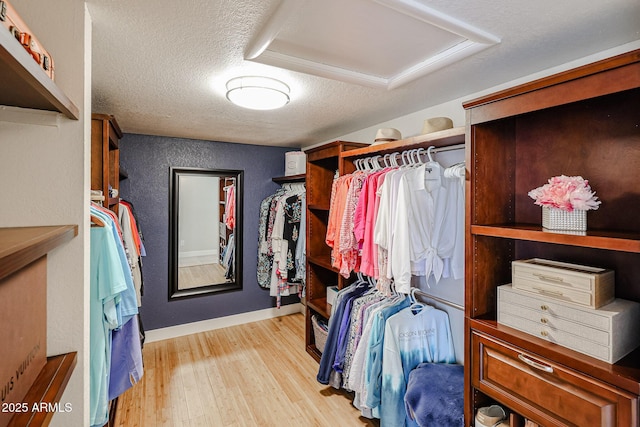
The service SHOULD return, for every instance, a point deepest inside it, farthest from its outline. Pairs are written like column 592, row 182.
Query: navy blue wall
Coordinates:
column 147, row 160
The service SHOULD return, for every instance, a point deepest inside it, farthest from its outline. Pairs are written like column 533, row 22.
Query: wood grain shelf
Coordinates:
column 438, row 139
column 20, row 246
column 291, row 178
column 24, row 84
column 318, row 207
column 320, row 306
column 619, row 241
column 47, row 389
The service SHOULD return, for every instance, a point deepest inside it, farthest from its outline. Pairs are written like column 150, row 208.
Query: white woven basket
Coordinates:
column 557, row 219
column 319, row 334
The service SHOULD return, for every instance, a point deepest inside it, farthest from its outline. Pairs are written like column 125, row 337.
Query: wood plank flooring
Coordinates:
column 196, row 276
column 257, row 374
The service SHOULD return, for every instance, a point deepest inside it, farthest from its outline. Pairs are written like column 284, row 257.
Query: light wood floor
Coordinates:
column 196, row 276
column 256, row 374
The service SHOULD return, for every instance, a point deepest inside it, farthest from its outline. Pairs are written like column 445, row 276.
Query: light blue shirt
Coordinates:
column 107, row 282
column 410, row 339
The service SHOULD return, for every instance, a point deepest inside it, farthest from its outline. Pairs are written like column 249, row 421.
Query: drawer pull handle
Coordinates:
column 544, row 307
column 535, row 364
column 544, row 333
column 549, row 278
column 547, row 291
column 543, row 320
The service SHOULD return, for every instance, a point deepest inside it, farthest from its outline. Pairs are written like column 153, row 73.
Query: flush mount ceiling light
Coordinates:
column 257, row 93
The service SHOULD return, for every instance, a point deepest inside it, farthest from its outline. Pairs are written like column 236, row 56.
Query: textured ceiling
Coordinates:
column 160, row 66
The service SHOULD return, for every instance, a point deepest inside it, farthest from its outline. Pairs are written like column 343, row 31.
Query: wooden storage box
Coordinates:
column 587, row 286
column 608, row 333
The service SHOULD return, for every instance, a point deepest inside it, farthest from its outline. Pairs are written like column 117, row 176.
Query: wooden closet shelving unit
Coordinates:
column 322, row 164
column 580, row 122
column 105, row 157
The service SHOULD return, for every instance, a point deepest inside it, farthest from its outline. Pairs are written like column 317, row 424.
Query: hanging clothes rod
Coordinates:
column 448, row 148
column 409, row 153
column 438, row 299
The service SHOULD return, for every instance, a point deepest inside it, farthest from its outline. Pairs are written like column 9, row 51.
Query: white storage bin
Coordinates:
column 295, row 163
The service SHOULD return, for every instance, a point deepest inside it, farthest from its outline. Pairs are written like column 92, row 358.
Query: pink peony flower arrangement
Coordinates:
column 567, row 193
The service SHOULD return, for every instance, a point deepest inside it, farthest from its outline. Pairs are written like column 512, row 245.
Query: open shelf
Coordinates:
column 438, row 139
column 47, row 389
column 291, row 178
column 324, row 262
column 611, row 240
column 23, row 273
column 20, row 246
column 24, row 84
column 320, row 306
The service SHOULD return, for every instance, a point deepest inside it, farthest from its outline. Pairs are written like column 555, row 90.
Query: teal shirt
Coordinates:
column 107, row 282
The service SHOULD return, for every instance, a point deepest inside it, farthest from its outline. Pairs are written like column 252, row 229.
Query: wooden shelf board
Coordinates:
column 624, row 374
column 19, row 246
column 317, row 207
column 291, row 178
column 47, row 388
column 323, row 262
column 437, row 139
column 24, row 84
column 610, row 240
column 320, row 306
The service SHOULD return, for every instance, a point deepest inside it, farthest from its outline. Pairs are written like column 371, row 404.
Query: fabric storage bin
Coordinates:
column 295, row 163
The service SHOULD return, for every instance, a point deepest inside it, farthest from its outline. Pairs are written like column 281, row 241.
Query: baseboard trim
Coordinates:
column 220, row 322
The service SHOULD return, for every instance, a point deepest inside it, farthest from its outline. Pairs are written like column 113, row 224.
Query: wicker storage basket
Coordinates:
column 319, row 334
column 557, row 219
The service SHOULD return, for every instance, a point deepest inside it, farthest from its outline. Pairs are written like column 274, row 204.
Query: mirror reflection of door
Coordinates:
column 205, row 216
column 202, row 232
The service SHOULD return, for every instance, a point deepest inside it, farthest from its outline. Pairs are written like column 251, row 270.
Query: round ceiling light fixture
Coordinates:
column 257, row 93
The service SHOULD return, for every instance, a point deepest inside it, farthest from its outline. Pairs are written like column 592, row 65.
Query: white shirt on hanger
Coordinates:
column 425, row 227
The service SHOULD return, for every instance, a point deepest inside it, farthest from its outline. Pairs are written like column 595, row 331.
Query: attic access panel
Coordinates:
column 376, row 43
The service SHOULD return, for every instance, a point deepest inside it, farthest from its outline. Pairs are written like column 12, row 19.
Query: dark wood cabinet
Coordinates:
column 581, row 122
column 323, row 164
column 105, row 157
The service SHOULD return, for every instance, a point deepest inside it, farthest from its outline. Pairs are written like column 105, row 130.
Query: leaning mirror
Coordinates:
column 205, row 231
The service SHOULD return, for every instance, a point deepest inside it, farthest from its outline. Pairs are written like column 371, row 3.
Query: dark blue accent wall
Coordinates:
column 147, row 160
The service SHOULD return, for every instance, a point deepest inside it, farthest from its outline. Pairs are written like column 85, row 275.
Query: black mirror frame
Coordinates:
column 236, row 284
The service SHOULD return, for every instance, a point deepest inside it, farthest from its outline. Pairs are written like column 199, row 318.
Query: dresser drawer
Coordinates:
column 608, row 333
column 547, row 393
column 559, row 292
column 556, row 336
column 544, row 321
